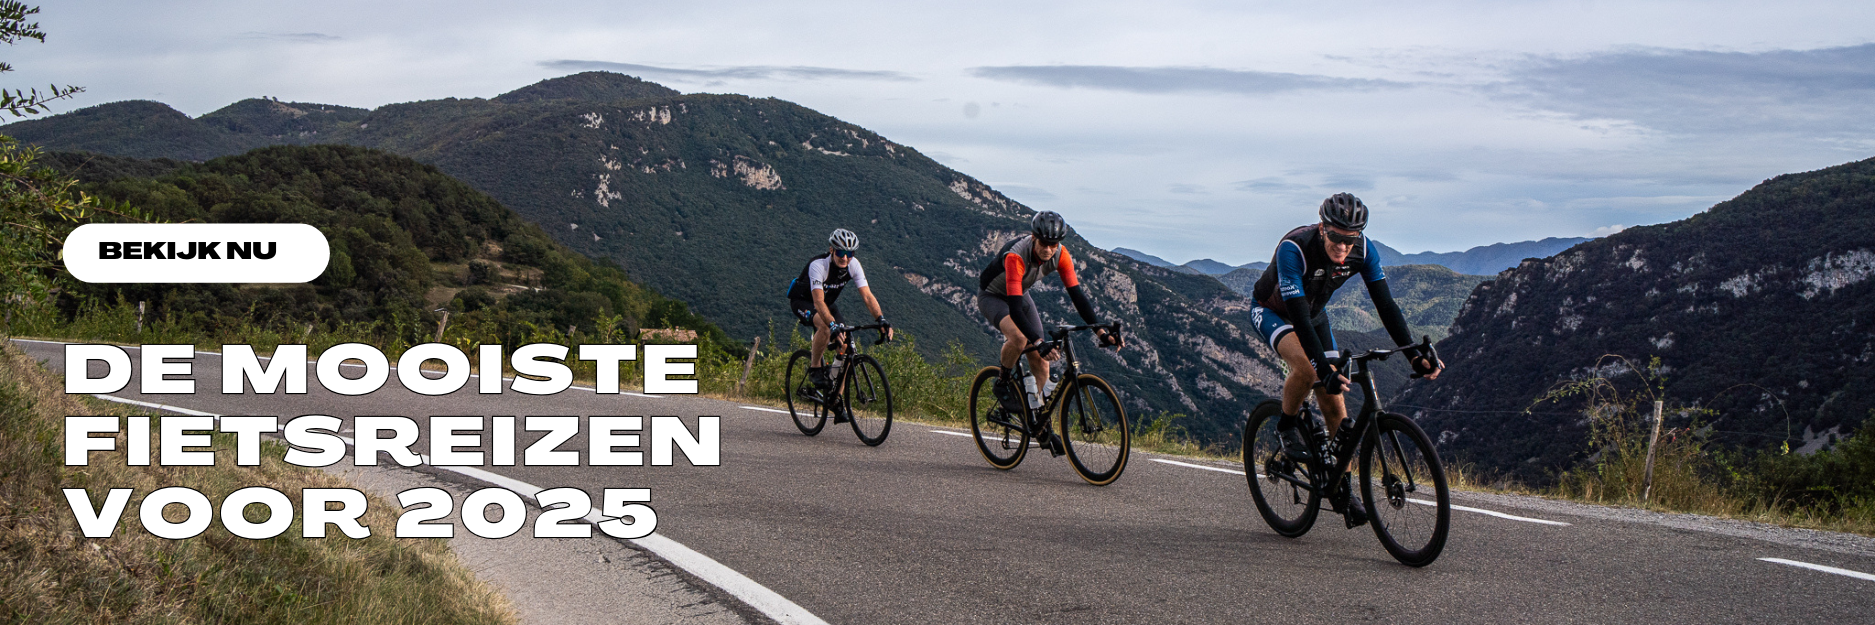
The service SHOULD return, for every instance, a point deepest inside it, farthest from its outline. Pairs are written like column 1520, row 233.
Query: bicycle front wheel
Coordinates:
column 1405, row 491
column 809, row 415
column 1093, row 427
column 998, row 436
column 1284, row 491
column 869, row 400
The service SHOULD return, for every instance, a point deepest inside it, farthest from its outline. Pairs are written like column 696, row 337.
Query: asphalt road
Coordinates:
column 922, row 530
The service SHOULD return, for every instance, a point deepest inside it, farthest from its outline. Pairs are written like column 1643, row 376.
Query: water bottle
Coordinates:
column 1321, row 433
column 1028, row 386
column 833, row 371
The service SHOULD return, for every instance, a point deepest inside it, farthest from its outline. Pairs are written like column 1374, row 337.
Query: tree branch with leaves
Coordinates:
column 13, row 28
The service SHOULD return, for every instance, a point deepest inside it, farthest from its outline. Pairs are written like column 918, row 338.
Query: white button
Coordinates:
column 230, row 253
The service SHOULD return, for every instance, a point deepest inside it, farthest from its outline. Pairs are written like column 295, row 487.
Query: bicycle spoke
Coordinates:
column 1414, row 534
column 1093, row 428
column 1284, row 493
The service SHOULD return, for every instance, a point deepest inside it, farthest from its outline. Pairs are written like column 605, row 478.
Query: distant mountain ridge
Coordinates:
column 1202, row 266
column 1483, row 260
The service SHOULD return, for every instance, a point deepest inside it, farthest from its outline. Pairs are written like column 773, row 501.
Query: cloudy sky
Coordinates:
column 1188, row 130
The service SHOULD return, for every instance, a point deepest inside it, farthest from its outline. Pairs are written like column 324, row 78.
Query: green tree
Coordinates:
column 13, row 27
column 37, row 205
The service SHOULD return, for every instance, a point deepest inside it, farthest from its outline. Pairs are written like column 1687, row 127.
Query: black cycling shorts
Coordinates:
column 804, row 311
column 995, row 307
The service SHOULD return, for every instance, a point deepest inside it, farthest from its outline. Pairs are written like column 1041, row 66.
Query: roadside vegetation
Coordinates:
column 1832, row 488
column 50, row 573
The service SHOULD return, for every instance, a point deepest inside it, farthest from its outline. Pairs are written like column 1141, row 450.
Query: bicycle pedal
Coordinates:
column 1055, row 447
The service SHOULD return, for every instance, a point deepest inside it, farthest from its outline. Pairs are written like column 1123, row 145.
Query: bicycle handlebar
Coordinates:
column 1341, row 364
column 837, row 328
column 1425, row 343
column 1060, row 334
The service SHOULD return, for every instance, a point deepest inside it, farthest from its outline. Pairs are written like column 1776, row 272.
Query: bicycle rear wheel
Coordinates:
column 1093, row 427
column 1403, row 484
column 1284, row 491
column 809, row 415
column 998, row 436
column 869, row 400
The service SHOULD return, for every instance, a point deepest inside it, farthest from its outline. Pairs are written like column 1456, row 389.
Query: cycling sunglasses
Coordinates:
column 845, row 253
column 1344, row 239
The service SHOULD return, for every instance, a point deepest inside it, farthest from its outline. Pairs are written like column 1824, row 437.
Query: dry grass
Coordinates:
column 50, row 573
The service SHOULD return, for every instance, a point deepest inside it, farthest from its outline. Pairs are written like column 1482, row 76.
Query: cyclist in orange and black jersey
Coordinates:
column 1004, row 301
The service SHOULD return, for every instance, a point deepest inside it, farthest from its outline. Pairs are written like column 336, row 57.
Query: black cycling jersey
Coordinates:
column 1301, row 278
column 1302, row 268
column 822, row 273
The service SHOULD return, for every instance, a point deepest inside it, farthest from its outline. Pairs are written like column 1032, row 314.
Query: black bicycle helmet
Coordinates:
column 1344, row 211
column 843, row 240
column 1048, row 227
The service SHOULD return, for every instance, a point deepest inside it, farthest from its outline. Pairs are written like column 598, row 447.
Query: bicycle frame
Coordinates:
column 1344, row 447
column 848, row 349
column 1071, row 370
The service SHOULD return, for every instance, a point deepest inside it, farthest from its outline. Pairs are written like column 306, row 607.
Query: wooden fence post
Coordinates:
column 1647, row 483
column 747, row 365
column 440, row 325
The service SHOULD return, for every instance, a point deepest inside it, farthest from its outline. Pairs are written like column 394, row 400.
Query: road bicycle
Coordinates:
column 859, row 395
column 1402, row 482
column 1094, row 433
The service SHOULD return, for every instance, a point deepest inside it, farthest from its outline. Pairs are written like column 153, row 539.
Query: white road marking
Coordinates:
column 1200, row 466
column 1490, row 513
column 969, row 435
column 1825, row 569
column 1417, row 501
column 765, row 409
column 767, row 601
column 145, row 404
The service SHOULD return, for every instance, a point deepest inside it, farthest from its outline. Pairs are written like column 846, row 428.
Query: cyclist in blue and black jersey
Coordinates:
column 1289, row 313
column 811, row 297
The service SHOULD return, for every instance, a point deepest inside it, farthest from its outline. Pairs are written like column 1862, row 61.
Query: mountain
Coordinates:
column 1243, row 279
column 1202, row 266
column 718, row 200
column 1209, row 267
column 1759, row 308
column 1484, row 260
column 1144, row 257
column 133, row 128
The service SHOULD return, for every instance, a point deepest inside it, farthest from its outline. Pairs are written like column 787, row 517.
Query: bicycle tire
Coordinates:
column 1285, row 493
column 1397, row 462
column 813, row 416
column 1002, row 445
column 868, row 398
column 1094, row 429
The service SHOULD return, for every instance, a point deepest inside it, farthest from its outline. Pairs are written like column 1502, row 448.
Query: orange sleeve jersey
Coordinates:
column 1015, row 269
